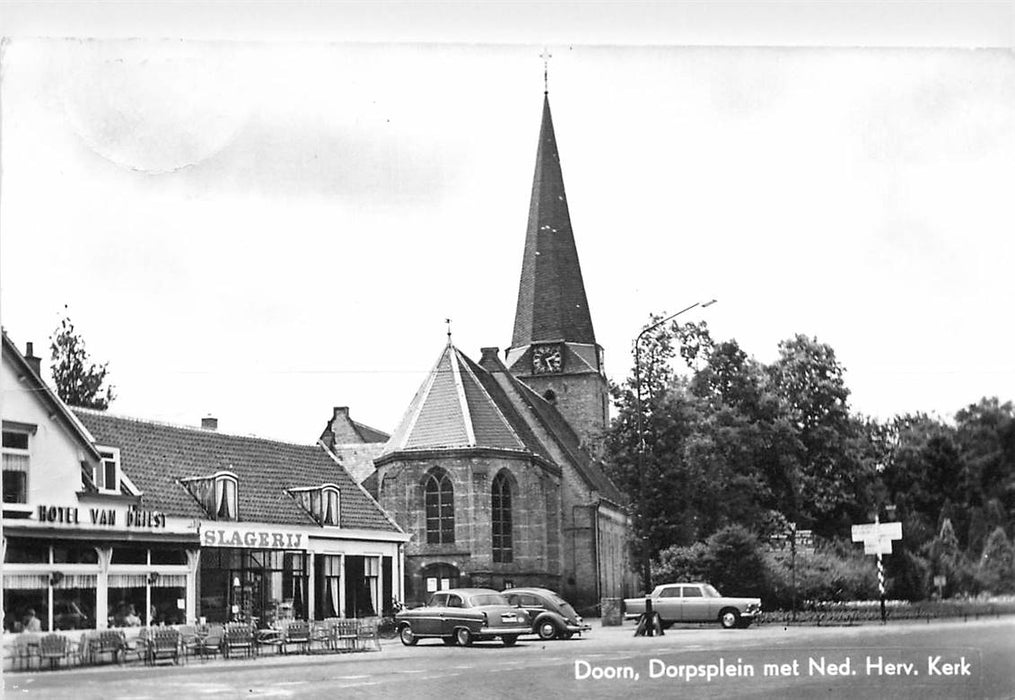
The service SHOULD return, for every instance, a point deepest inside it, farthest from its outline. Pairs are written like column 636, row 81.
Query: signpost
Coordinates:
column 877, row 538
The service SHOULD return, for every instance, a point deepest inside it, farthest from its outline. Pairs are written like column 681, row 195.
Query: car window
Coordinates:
column 673, row 592
column 513, row 600
column 488, row 599
column 454, row 601
column 439, row 600
column 692, row 592
column 531, row 601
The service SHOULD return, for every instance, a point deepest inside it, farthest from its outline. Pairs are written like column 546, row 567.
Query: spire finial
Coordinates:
column 546, row 56
column 448, row 321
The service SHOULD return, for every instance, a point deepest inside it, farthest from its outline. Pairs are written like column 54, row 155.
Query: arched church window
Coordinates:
column 501, row 517
column 439, row 495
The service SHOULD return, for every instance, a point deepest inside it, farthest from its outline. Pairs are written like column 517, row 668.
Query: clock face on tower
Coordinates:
column 546, row 359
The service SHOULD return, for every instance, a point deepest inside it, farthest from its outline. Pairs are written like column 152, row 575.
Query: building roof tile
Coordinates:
column 156, row 456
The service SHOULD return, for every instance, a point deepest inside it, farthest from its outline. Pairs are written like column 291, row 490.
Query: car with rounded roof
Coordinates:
column 552, row 616
column 461, row 616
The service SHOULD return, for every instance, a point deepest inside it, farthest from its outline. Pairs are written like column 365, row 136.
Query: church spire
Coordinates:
column 551, row 295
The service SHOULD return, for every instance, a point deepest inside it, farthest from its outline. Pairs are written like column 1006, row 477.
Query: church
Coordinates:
column 492, row 471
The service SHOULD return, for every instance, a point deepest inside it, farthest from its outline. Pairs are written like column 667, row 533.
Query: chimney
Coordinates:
column 490, row 361
column 34, row 362
column 340, row 412
column 209, row 423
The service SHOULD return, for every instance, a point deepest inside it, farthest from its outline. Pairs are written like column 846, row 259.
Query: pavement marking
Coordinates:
column 349, row 678
column 411, row 670
column 357, row 685
column 465, row 667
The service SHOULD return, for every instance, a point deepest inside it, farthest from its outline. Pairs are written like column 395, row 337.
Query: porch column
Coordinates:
column 102, row 588
column 311, row 587
column 341, row 585
column 193, row 564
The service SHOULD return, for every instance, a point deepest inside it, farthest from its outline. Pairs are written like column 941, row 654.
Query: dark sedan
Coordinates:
column 462, row 616
column 552, row 616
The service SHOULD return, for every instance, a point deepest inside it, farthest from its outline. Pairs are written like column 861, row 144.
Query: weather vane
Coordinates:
column 546, row 56
column 448, row 321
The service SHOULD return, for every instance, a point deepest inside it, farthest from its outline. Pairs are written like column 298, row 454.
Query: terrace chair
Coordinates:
column 367, row 638
column 189, row 641
column 296, row 634
column 238, row 637
column 26, row 649
column 345, row 635
column 136, row 647
column 210, row 638
column 103, row 642
column 164, row 643
column 54, row 648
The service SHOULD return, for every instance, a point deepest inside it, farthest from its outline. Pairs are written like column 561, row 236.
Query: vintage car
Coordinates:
column 462, row 616
column 695, row 602
column 552, row 616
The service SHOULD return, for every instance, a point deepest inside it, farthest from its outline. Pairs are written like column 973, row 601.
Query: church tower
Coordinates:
column 553, row 348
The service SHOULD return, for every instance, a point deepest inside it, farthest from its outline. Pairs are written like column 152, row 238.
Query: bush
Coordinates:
column 731, row 560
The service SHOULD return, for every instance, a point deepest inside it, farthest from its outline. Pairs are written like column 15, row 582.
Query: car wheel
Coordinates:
column 729, row 618
column 449, row 641
column 547, row 630
column 509, row 639
column 407, row 637
column 463, row 636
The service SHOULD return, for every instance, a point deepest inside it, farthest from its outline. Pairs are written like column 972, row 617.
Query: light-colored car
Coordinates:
column 552, row 616
column 695, row 602
column 461, row 616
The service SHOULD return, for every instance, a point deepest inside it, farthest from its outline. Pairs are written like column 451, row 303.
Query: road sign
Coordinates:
column 939, row 581
column 805, row 539
column 875, row 530
column 878, row 546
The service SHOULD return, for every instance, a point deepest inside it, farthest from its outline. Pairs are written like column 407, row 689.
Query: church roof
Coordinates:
column 551, row 294
column 538, row 410
column 458, row 407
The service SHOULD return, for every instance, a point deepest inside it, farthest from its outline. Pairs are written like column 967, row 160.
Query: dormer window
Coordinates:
column 107, row 473
column 322, row 503
column 217, row 494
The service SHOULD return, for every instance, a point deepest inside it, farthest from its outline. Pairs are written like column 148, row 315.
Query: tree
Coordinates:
column 995, row 572
column 78, row 382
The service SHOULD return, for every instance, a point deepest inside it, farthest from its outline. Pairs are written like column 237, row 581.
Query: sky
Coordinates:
column 261, row 228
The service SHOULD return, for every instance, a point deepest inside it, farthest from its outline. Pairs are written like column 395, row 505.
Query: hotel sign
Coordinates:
column 214, row 534
column 133, row 518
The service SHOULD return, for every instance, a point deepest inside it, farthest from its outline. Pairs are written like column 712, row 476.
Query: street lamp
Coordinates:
column 641, row 436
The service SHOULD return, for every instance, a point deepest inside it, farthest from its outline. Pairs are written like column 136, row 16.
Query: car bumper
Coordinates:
column 577, row 629
column 501, row 631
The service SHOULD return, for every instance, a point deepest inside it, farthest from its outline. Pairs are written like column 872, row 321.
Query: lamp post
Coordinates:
column 638, row 424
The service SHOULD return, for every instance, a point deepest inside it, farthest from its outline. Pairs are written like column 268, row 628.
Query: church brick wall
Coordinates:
column 535, row 500
column 583, row 400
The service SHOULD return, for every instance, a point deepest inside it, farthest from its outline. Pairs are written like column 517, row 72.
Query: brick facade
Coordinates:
column 536, row 528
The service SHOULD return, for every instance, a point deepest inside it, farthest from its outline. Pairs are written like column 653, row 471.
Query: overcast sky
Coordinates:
column 262, row 230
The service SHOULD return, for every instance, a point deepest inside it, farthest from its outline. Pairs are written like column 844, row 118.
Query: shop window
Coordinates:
column 439, row 497
column 22, row 551
column 217, row 494
column 322, row 503
column 168, row 556
column 501, row 519
column 130, row 555
column 16, row 463
column 75, row 554
column 107, row 473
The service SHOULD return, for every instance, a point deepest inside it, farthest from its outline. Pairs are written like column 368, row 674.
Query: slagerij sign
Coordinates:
column 213, row 535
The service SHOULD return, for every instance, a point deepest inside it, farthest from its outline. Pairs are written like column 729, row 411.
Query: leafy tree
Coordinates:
column 995, row 572
column 78, row 382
